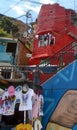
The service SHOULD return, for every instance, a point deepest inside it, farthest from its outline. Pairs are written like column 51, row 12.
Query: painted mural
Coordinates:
column 60, row 95
column 54, row 126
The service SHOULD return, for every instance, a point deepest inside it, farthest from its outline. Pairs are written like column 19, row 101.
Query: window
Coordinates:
column 11, row 47
column 45, row 62
column 46, row 39
column 6, row 73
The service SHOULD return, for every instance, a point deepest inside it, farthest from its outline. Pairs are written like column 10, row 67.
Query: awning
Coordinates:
column 5, row 64
column 6, row 40
column 39, row 56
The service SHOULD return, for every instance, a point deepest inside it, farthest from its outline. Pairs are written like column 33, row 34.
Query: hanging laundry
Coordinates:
column 35, row 105
column 26, row 100
column 9, row 100
column 18, row 91
column 37, row 125
column 41, row 103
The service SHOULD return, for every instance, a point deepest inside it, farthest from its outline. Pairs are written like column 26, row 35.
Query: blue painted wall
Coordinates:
column 2, row 48
column 4, row 56
column 7, row 56
column 55, row 88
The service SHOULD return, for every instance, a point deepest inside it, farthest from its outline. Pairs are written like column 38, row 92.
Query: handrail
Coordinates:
column 57, row 55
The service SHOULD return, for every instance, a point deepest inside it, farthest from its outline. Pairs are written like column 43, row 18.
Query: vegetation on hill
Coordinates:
column 8, row 27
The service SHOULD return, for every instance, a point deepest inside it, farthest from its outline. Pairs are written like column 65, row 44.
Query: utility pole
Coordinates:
column 28, row 17
column 75, row 6
column 28, row 21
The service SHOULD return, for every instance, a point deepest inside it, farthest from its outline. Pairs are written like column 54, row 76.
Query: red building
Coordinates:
column 54, row 30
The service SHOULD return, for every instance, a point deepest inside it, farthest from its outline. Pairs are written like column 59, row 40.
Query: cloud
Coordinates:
column 18, row 10
column 31, row 6
column 47, row 1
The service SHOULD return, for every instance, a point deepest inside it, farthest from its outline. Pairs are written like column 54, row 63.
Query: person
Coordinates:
column 75, row 54
column 36, row 76
column 74, row 45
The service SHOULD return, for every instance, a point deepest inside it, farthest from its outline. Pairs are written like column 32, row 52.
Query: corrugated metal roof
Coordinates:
column 5, row 64
column 5, row 40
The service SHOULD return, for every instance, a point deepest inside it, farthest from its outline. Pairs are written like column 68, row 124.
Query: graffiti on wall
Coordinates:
column 60, row 94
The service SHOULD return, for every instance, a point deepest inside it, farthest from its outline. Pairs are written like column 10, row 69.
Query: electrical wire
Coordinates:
column 11, row 7
column 20, row 16
column 56, row 18
column 33, row 2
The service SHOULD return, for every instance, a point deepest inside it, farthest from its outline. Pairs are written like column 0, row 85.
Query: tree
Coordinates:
column 4, row 33
column 8, row 25
column 15, row 28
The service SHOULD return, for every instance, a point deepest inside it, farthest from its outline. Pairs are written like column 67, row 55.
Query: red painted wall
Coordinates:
column 51, row 18
column 56, row 20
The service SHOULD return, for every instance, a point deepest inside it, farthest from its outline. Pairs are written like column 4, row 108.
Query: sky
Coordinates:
column 19, row 8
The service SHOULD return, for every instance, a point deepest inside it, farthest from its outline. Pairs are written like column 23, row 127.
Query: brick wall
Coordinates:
column 21, row 57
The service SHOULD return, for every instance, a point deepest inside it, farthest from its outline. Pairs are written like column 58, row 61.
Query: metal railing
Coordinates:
column 58, row 60
column 62, row 57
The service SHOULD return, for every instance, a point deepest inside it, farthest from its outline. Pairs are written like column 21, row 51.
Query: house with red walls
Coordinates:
column 55, row 28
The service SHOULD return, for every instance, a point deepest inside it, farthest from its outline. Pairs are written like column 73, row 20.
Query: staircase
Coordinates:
column 58, row 61
column 49, row 66
column 53, row 64
column 59, row 76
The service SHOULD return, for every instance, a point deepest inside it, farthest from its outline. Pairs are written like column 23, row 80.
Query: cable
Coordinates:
column 34, row 2
column 74, row 15
column 11, row 7
column 20, row 16
column 61, row 16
